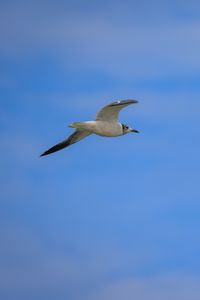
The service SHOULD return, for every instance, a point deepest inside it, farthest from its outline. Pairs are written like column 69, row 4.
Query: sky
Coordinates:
column 105, row 219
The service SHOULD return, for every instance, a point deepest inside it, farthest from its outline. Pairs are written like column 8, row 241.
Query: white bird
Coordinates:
column 106, row 124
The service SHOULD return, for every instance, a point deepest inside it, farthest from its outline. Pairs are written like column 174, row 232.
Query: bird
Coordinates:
column 106, row 124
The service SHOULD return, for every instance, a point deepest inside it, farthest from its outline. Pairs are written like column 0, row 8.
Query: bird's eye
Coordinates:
column 125, row 127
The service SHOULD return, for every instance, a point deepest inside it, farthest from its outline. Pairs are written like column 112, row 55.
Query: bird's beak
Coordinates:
column 134, row 130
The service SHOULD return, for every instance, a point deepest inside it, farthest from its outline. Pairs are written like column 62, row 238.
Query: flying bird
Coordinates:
column 106, row 124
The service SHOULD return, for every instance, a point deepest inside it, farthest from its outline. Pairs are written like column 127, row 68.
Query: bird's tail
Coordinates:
column 78, row 125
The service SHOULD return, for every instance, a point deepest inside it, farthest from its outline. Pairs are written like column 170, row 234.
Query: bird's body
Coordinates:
column 102, row 128
column 106, row 124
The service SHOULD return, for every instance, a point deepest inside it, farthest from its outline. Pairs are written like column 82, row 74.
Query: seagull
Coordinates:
column 106, row 124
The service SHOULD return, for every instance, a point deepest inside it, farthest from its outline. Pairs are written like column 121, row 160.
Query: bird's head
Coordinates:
column 126, row 129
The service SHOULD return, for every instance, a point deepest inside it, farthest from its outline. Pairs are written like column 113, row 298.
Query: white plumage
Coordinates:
column 106, row 124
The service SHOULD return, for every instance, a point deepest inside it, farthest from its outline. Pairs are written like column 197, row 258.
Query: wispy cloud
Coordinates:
column 132, row 48
column 173, row 286
column 35, row 269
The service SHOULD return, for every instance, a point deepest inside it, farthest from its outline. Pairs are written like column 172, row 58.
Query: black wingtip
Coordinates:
column 46, row 153
column 50, row 151
column 131, row 101
column 55, row 148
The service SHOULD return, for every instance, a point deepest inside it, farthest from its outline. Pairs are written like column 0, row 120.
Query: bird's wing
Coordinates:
column 75, row 137
column 110, row 112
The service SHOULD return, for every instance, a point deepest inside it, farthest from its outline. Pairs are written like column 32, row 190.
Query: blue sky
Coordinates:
column 106, row 218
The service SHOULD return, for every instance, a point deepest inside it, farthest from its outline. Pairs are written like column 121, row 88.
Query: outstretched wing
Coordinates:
column 72, row 139
column 110, row 112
